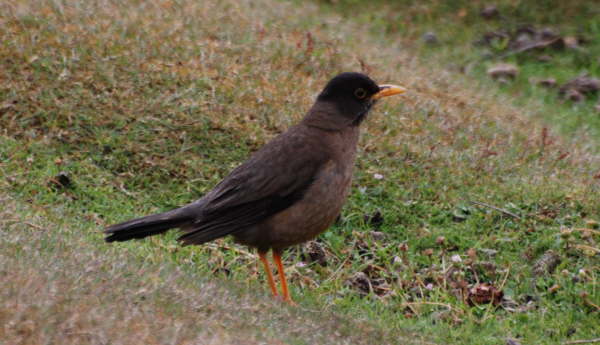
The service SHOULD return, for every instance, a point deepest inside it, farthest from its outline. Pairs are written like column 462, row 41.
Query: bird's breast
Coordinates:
column 316, row 211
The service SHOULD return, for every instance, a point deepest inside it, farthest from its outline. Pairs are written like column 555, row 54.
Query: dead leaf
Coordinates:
column 484, row 294
column 313, row 252
column 576, row 89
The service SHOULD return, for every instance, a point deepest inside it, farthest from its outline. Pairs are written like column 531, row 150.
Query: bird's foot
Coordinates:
column 286, row 299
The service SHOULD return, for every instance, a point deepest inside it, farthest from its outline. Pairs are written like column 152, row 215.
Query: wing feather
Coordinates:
column 273, row 179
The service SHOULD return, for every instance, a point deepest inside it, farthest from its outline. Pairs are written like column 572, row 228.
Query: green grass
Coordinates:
column 458, row 25
column 147, row 106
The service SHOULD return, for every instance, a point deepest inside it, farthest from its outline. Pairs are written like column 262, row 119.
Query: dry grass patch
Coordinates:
column 60, row 288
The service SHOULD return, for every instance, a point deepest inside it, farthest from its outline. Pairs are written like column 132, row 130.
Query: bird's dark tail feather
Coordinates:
column 147, row 226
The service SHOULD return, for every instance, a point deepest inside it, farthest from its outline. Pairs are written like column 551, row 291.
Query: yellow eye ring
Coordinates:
column 360, row 93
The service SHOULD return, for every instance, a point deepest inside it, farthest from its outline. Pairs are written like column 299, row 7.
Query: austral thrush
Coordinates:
column 286, row 193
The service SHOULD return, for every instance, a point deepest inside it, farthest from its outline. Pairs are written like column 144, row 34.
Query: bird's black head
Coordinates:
column 353, row 94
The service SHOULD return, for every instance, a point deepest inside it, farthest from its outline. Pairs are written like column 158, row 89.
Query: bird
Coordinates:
column 286, row 193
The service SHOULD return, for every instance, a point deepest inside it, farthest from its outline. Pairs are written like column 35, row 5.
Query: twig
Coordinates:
column 122, row 188
column 505, row 277
column 501, row 210
column 587, row 230
column 34, row 225
column 583, row 341
column 534, row 45
column 410, row 304
column 226, row 247
column 17, row 221
column 584, row 247
column 337, row 271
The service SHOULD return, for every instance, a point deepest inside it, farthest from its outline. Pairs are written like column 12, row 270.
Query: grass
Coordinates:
column 145, row 106
column 60, row 287
column 459, row 25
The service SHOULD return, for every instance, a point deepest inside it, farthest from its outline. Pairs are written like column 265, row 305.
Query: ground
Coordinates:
column 122, row 108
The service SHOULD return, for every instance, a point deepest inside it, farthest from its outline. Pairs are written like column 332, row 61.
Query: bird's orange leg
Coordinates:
column 263, row 258
column 284, row 287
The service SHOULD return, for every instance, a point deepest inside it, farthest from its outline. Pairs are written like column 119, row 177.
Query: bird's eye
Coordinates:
column 360, row 93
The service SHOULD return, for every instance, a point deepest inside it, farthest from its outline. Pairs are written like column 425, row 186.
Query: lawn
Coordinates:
column 116, row 109
column 548, row 43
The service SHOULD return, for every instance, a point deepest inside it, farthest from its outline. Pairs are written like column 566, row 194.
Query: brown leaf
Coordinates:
column 361, row 282
column 428, row 252
column 484, row 294
column 583, row 85
column 313, row 252
column 440, row 240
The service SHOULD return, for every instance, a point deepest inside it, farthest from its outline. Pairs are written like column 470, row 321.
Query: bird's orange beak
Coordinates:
column 388, row 90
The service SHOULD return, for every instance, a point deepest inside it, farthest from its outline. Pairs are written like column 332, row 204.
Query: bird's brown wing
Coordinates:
column 273, row 179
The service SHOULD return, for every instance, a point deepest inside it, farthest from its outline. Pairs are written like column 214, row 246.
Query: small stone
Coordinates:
column 378, row 176
column 377, row 236
column 546, row 263
column 440, row 240
column 571, row 42
column 489, row 252
column 512, row 341
column 548, row 34
column 488, row 266
column 544, row 58
column 582, row 84
column 526, row 29
column 361, row 282
column 503, row 80
column 503, row 70
column 548, row 83
column 574, row 96
column 430, row 38
column 490, row 12
column 456, row 258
